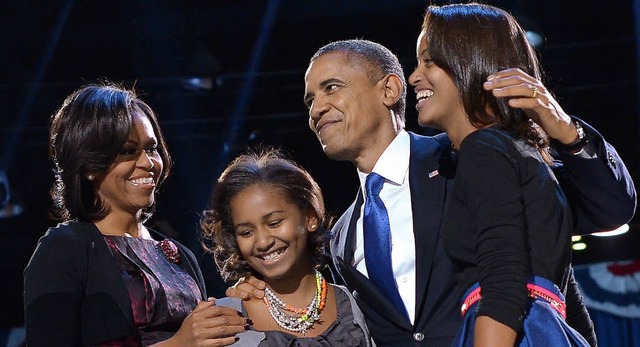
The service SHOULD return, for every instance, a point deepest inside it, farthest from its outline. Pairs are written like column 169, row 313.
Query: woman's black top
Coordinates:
column 508, row 219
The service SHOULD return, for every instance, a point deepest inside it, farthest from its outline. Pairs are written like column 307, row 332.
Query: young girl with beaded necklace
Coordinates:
column 267, row 220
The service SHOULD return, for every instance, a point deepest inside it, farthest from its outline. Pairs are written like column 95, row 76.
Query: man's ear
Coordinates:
column 392, row 89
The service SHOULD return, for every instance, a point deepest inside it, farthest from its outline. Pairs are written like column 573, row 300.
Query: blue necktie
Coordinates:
column 377, row 242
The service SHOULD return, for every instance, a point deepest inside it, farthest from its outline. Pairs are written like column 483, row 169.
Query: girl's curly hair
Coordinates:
column 271, row 167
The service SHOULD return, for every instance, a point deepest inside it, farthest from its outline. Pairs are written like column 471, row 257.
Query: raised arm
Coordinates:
column 592, row 174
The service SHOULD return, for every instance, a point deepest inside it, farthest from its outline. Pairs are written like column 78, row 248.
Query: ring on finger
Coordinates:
column 535, row 92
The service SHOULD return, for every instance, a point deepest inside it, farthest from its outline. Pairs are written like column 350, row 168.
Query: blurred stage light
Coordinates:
column 531, row 28
column 4, row 189
column 621, row 230
column 580, row 246
column 9, row 207
column 535, row 38
column 197, row 83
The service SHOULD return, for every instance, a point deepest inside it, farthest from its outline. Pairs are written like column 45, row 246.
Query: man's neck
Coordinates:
column 368, row 157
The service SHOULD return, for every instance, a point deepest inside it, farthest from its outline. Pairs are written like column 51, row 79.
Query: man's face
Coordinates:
column 346, row 110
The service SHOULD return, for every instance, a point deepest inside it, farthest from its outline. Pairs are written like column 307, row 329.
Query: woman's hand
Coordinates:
column 247, row 288
column 209, row 325
column 529, row 94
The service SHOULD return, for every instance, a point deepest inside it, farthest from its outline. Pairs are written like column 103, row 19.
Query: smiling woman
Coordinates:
column 130, row 182
column 101, row 277
column 268, row 220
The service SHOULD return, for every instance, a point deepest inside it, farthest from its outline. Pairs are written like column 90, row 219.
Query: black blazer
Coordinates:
column 610, row 203
column 73, row 292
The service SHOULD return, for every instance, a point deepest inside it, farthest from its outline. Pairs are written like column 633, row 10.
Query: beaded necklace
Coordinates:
column 297, row 320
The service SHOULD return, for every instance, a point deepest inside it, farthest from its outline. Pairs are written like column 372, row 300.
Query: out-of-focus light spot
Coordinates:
column 198, row 83
column 535, row 38
column 621, row 230
column 576, row 238
column 580, row 246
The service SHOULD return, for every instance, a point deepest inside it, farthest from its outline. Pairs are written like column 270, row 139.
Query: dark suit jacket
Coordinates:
column 437, row 315
column 74, row 294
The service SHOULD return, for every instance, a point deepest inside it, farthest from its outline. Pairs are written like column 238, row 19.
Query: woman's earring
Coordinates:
column 313, row 227
column 90, row 177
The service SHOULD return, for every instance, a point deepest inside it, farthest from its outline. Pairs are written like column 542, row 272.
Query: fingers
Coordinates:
column 245, row 291
column 226, row 326
column 213, row 325
column 247, row 288
column 218, row 336
column 521, row 90
column 234, row 292
column 213, row 311
column 205, row 304
column 514, row 83
column 527, row 103
column 527, row 93
column 258, row 287
column 512, row 73
column 518, row 84
column 221, row 342
column 255, row 282
column 240, row 280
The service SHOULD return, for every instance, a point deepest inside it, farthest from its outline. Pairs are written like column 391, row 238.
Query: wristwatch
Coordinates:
column 576, row 145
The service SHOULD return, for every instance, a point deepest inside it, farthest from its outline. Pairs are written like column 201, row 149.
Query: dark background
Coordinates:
column 226, row 74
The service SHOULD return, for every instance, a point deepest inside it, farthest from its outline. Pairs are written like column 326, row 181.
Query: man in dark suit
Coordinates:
column 355, row 91
column 356, row 94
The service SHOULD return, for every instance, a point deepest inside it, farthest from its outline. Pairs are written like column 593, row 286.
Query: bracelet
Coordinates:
column 576, row 145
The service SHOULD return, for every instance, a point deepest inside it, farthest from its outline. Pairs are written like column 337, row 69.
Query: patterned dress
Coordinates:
column 161, row 292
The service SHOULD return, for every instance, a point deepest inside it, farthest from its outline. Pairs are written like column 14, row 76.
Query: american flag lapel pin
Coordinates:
column 433, row 173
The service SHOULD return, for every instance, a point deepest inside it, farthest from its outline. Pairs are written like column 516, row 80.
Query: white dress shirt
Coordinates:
column 393, row 165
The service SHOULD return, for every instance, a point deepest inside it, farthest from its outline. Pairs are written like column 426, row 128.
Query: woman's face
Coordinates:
column 438, row 100
column 130, row 182
column 271, row 232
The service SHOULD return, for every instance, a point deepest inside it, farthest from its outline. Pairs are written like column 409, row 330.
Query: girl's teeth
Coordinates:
column 424, row 94
column 272, row 256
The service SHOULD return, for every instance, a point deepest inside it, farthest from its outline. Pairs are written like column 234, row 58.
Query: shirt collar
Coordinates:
column 394, row 161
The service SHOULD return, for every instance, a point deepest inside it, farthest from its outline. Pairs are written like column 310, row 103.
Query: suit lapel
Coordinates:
column 429, row 173
column 428, row 182
column 368, row 294
column 343, row 242
column 343, row 249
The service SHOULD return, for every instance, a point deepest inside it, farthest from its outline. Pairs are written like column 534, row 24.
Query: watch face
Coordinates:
column 579, row 129
column 575, row 146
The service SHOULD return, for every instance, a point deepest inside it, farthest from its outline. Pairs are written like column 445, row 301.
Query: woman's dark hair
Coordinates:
column 85, row 136
column 471, row 42
column 269, row 167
